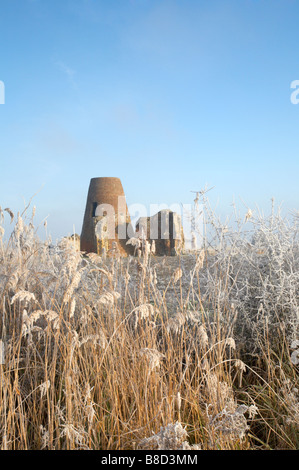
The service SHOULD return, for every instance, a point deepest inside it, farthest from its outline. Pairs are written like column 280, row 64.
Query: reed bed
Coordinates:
column 198, row 351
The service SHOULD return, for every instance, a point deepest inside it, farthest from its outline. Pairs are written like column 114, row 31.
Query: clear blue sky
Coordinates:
column 168, row 95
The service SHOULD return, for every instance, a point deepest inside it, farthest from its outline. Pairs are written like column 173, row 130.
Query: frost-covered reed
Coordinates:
column 192, row 352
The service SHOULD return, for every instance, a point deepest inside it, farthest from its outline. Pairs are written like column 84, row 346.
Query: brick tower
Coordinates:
column 106, row 219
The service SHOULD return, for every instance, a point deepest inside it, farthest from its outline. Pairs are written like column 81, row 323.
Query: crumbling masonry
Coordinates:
column 107, row 224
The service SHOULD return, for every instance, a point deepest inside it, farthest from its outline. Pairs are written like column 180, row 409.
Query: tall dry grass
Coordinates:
column 196, row 351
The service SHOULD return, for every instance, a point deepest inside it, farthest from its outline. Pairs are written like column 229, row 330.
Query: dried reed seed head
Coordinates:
column 230, row 342
column 143, row 311
column 194, row 316
column 11, row 214
column 75, row 339
column 295, row 357
column 147, row 247
column 97, row 339
column 252, row 411
column 230, row 423
column 109, row 298
column 199, row 260
column 295, row 354
column 72, row 308
column 175, row 323
column 204, row 364
column 45, row 437
column 291, row 402
column 177, row 275
column 78, row 434
column 204, row 339
column 140, row 266
column 248, row 215
column 134, row 241
column 171, row 437
column 240, row 365
column 73, row 285
column 95, row 258
column 153, row 277
column 127, row 277
column 153, row 356
column 29, row 320
column 220, row 393
column 23, row 296
column 44, row 387
column 178, row 400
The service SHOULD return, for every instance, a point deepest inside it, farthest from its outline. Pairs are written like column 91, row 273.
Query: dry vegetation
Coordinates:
column 198, row 351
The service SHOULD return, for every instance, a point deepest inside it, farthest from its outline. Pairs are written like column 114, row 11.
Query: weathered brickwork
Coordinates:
column 107, row 224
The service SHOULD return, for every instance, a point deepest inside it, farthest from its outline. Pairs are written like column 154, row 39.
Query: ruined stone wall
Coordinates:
column 166, row 229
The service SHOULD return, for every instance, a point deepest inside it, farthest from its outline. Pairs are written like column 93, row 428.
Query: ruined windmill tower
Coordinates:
column 106, row 218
